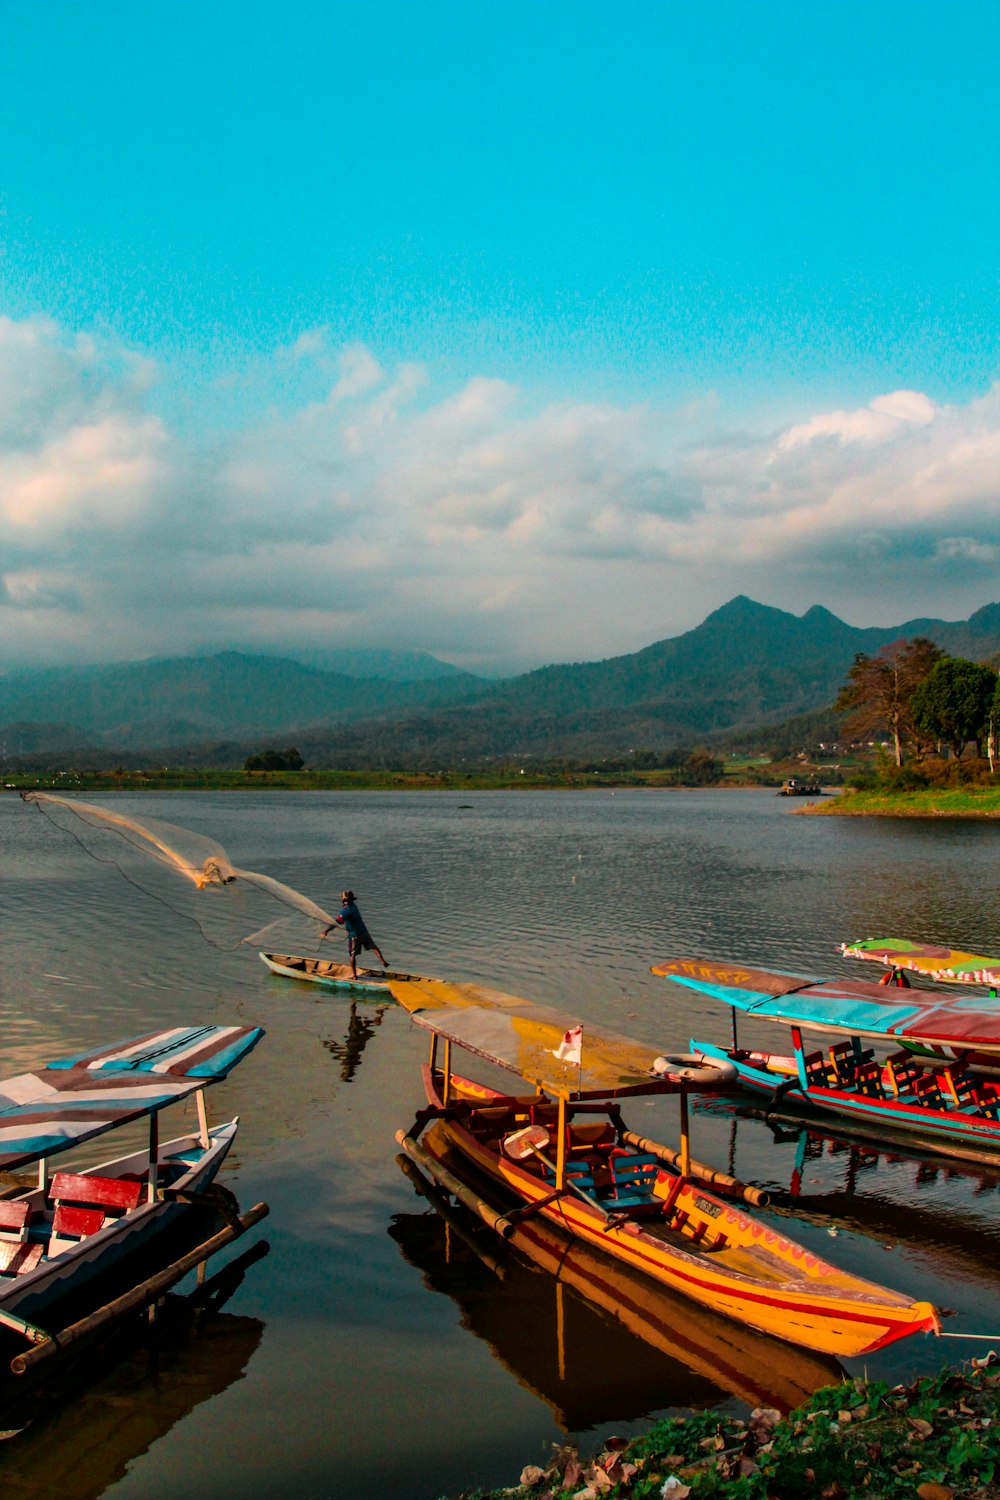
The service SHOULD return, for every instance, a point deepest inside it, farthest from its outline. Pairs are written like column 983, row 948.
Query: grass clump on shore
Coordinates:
column 938, row 1439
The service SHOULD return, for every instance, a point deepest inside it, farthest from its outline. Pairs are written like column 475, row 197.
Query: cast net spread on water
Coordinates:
column 166, row 861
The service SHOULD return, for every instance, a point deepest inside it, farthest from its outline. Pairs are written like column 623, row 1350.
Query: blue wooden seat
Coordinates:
column 633, row 1178
column 578, row 1172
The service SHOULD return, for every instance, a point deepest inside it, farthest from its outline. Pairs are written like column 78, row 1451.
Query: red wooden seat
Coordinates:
column 843, row 1061
column 84, row 1204
column 958, row 1087
column 14, row 1219
column 902, row 1070
column 77, row 1222
column 109, row 1192
column 868, row 1080
column 927, row 1091
column 818, row 1072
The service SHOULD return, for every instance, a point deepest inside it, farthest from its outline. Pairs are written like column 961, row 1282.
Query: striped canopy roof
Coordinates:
column 856, row 1006
column 76, row 1098
column 949, row 965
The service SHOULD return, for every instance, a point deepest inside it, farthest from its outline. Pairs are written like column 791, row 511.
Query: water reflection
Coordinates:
column 360, row 1030
column 593, row 1340
column 843, row 1185
column 565, row 898
column 77, row 1431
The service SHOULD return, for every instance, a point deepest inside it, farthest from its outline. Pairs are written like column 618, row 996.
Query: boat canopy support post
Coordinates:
column 562, row 1128
column 685, row 1162
column 800, row 1061
column 43, row 1175
column 446, row 1085
column 732, row 1020
column 202, row 1120
column 154, row 1154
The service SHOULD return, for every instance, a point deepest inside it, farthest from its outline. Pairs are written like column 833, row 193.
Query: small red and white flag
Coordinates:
column 570, row 1049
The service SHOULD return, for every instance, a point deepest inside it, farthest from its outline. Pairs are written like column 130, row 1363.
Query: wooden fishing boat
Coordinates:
column 564, row 1152
column 332, row 975
column 73, row 1225
column 954, row 1111
column 650, row 1344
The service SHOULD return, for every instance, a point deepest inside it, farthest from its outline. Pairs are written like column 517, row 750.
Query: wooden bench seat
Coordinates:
column 85, row 1203
column 15, row 1216
column 634, row 1177
column 16, row 1255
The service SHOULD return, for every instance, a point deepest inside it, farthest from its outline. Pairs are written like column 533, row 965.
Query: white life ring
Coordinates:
column 695, row 1067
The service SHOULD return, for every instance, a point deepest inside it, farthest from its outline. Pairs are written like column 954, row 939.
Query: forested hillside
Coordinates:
column 746, row 665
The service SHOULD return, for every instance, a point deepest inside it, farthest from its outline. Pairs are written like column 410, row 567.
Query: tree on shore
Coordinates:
column 274, row 760
column 879, row 689
column 991, row 728
column 954, row 702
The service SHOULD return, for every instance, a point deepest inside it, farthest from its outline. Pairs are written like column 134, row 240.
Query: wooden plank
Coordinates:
column 17, row 1258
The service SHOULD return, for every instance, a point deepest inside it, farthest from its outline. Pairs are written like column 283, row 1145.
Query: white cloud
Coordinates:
column 470, row 521
column 880, row 420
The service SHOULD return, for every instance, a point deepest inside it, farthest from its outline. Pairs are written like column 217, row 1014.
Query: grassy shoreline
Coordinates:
column 363, row 781
column 928, row 802
column 944, row 802
column 938, row 1439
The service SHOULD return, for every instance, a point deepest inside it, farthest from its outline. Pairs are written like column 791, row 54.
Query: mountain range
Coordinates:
column 747, row 664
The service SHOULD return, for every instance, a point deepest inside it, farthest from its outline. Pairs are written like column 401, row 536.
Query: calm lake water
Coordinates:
column 371, row 1353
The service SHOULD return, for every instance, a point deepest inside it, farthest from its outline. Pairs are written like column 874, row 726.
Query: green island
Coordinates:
column 937, row 1439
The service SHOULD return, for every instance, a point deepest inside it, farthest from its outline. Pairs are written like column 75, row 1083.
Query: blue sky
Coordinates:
column 584, row 269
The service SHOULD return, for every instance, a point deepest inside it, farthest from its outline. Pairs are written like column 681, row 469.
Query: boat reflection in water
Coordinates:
column 594, row 1340
column 76, row 1432
column 891, row 1194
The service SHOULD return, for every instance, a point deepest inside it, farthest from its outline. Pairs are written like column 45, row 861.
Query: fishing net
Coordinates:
column 193, row 875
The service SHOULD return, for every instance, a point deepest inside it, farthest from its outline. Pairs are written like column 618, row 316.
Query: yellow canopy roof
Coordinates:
column 523, row 1037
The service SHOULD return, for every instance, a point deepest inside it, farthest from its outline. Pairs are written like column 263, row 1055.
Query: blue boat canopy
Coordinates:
column 858, row 1007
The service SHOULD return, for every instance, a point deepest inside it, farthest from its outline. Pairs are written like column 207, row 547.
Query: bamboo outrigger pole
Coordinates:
column 439, row 1173
column 140, row 1296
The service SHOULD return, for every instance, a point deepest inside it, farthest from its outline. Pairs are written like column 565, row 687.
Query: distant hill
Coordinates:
column 746, row 665
column 390, row 666
column 186, row 699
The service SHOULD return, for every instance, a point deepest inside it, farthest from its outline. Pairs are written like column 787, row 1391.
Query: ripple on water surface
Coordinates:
column 367, row 1318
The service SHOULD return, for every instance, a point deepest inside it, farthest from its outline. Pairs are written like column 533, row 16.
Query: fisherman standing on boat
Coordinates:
column 358, row 936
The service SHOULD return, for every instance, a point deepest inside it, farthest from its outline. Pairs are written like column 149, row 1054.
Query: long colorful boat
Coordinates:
column 72, row 1225
column 954, row 1111
column 650, row 1344
column 563, row 1151
column 332, row 975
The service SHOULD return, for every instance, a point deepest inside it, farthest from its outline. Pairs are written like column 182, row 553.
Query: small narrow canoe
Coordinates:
column 332, row 975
